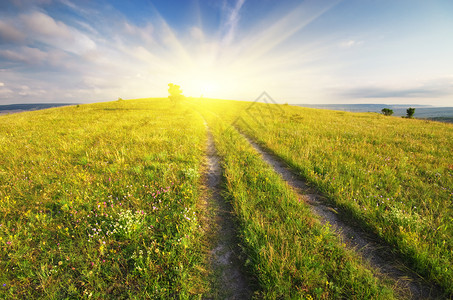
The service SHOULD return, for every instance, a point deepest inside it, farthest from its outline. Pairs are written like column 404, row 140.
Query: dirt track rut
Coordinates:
column 377, row 253
column 227, row 259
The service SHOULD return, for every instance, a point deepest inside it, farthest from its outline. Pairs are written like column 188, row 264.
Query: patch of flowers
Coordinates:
column 128, row 222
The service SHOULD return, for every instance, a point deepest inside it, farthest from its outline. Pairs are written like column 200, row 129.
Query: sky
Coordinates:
column 298, row 51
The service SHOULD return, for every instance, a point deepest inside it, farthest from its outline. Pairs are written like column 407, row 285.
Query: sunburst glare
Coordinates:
column 299, row 51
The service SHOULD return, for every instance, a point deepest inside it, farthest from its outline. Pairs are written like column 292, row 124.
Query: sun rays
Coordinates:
column 225, row 64
column 297, row 50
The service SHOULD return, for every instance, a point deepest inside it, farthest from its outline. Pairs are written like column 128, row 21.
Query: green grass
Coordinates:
column 289, row 252
column 101, row 201
column 394, row 175
column 104, row 200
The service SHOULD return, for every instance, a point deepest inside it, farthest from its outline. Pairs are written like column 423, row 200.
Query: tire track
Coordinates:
column 226, row 257
column 380, row 256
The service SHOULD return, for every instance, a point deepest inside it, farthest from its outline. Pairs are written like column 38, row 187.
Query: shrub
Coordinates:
column 387, row 111
column 410, row 112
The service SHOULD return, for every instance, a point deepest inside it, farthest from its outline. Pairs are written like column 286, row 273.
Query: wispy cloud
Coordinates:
column 9, row 33
column 374, row 92
column 350, row 43
column 43, row 28
column 25, row 54
column 439, row 87
column 232, row 20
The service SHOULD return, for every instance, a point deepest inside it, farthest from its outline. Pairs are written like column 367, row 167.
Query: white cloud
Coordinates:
column 435, row 89
column 347, row 44
column 9, row 33
column 232, row 22
column 26, row 91
column 25, row 54
column 35, row 56
column 350, row 43
column 42, row 24
column 6, row 93
column 145, row 31
column 43, row 28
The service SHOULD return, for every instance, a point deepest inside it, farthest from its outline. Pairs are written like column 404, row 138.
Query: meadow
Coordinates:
column 101, row 201
column 106, row 200
column 292, row 255
column 394, row 176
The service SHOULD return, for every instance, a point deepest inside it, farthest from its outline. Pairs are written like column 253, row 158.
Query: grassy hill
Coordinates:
column 105, row 200
column 394, row 175
column 100, row 201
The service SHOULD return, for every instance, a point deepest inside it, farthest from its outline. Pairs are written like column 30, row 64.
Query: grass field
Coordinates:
column 104, row 200
column 394, row 175
column 289, row 252
column 100, row 201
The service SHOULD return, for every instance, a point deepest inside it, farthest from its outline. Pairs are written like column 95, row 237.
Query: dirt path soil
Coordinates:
column 377, row 253
column 227, row 259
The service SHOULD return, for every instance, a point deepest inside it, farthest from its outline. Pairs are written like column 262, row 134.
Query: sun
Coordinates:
column 208, row 87
column 201, row 85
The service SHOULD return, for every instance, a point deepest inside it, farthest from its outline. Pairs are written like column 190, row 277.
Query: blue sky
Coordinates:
column 316, row 51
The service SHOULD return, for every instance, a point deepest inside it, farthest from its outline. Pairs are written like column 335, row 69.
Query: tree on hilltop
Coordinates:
column 387, row 111
column 410, row 113
column 175, row 93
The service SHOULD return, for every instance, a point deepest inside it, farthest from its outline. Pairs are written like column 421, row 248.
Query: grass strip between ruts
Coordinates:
column 290, row 253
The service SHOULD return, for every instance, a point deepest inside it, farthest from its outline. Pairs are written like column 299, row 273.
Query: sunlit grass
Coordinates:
column 289, row 252
column 100, row 201
column 394, row 175
column 103, row 200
